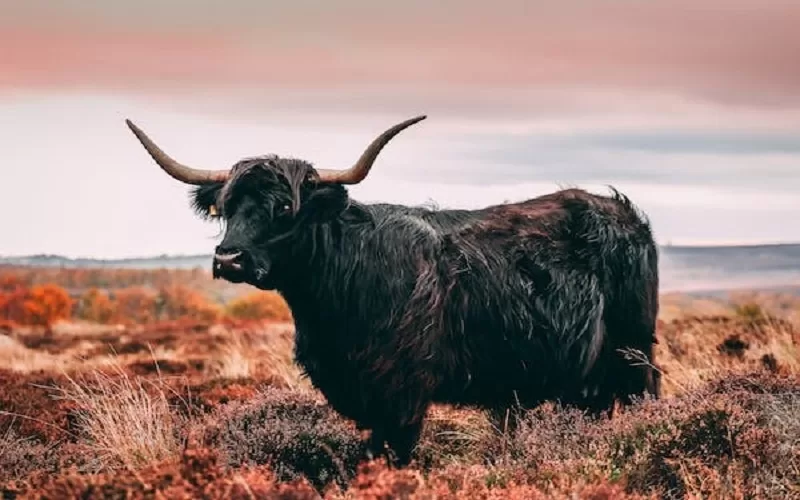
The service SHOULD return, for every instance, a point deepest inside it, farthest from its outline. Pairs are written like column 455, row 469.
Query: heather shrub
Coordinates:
column 201, row 474
column 27, row 405
column 732, row 438
column 294, row 432
column 207, row 396
column 24, row 461
column 556, row 448
column 20, row 456
column 736, row 438
column 197, row 474
column 376, row 480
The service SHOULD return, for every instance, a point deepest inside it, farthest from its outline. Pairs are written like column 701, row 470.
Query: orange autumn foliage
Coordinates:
column 179, row 301
column 134, row 305
column 95, row 306
column 10, row 282
column 38, row 296
column 38, row 305
column 259, row 305
column 11, row 304
column 46, row 304
column 138, row 305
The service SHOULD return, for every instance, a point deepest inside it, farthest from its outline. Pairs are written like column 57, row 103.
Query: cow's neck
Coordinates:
column 318, row 290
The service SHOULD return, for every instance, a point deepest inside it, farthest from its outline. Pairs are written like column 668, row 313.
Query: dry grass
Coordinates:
column 234, row 360
column 265, row 352
column 127, row 421
column 694, row 351
column 16, row 357
column 674, row 306
column 457, row 437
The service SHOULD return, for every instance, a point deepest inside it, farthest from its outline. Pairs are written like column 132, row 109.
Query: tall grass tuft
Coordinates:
column 127, row 420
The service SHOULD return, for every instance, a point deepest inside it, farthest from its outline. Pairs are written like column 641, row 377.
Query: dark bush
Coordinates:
column 295, row 433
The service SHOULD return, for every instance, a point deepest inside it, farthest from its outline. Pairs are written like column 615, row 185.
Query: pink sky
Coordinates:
column 724, row 49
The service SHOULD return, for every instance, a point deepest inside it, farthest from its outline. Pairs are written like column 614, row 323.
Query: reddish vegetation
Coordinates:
column 255, row 306
column 200, row 474
column 37, row 305
column 109, row 279
column 40, row 416
column 129, row 298
column 730, row 440
column 248, row 427
column 204, row 397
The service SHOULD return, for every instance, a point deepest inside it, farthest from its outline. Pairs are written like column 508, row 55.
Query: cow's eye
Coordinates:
column 283, row 209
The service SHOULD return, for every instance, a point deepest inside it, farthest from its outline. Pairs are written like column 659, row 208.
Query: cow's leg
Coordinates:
column 397, row 422
column 402, row 440
column 595, row 398
column 579, row 339
column 636, row 376
column 399, row 403
column 638, row 381
column 599, row 404
column 631, row 316
column 376, row 444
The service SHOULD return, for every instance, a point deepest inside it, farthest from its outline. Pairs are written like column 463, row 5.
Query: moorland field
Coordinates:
column 164, row 383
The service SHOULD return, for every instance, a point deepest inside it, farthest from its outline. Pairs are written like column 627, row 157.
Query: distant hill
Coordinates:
column 682, row 268
column 160, row 261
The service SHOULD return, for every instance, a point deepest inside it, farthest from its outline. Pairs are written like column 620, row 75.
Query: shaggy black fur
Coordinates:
column 397, row 307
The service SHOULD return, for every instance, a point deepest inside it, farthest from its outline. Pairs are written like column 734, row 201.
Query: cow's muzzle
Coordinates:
column 230, row 264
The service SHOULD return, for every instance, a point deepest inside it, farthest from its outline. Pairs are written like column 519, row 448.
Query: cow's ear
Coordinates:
column 322, row 204
column 204, row 200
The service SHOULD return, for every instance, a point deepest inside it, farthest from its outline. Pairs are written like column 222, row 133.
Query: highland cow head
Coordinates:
column 264, row 202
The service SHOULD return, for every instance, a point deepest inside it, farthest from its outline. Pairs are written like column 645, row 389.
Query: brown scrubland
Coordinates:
column 167, row 384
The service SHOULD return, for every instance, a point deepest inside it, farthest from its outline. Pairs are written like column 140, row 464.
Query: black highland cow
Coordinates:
column 398, row 307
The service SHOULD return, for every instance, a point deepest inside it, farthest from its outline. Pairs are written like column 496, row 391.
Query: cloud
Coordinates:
column 750, row 142
column 88, row 188
column 754, row 160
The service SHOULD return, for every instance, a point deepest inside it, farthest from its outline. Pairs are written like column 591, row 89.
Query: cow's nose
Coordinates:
column 228, row 260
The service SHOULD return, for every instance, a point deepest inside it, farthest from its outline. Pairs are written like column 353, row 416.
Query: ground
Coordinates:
column 187, row 403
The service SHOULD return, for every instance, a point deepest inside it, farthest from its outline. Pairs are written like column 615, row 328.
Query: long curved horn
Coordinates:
column 177, row 170
column 360, row 169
